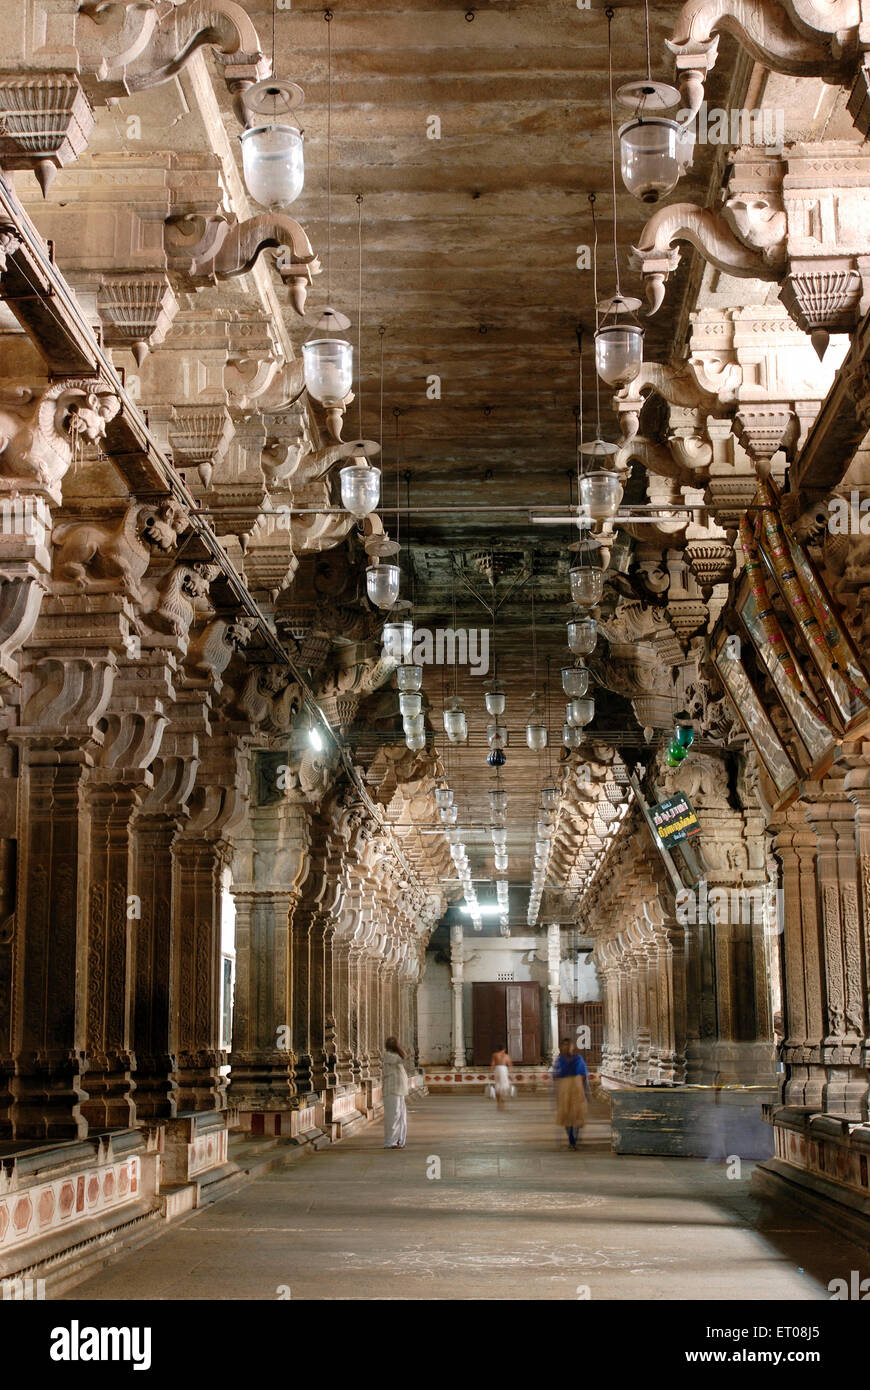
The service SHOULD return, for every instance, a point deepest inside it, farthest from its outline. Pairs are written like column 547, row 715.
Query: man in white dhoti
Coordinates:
column 502, row 1068
column 395, row 1088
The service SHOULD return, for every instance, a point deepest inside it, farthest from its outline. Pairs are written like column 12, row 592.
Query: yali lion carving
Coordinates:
column 38, row 436
column 96, row 557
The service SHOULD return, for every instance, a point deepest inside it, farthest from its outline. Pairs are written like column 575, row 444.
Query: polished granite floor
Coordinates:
column 484, row 1205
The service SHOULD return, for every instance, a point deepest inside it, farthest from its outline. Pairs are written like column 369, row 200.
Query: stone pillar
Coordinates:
column 554, row 956
column 456, row 973
column 68, row 670
column 111, row 953
column 344, row 1011
column 843, row 1050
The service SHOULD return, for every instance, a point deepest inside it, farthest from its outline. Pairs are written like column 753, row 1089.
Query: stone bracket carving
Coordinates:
column 136, row 311
column 213, row 248
column 45, row 123
column 803, row 38
column 154, row 42
column 657, row 257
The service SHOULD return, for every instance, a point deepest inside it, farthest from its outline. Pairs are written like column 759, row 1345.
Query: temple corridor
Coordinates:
column 513, row 1216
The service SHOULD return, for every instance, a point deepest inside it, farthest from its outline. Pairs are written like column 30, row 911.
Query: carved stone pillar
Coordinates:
column 200, row 852
column 68, row 670
column 842, row 1050
column 111, row 932
column 267, row 863
column 554, row 955
column 456, row 973
column 344, row 1011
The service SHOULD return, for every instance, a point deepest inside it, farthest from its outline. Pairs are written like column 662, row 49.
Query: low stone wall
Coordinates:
column 473, row 1081
column 823, row 1163
column 691, row 1121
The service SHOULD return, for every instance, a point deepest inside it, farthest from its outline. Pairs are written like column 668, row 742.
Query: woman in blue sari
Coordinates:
column 571, row 1079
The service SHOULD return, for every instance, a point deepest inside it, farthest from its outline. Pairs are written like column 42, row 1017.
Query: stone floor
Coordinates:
column 514, row 1214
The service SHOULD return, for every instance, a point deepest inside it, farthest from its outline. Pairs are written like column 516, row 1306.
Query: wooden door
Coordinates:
column 506, row 1015
column 488, row 1021
column 515, row 1022
column 531, row 1013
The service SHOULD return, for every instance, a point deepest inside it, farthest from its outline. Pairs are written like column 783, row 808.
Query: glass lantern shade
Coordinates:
column 495, row 701
column 684, row 730
column 571, row 737
column 273, row 163
column 360, row 488
column 618, row 353
column 382, row 584
column 499, row 835
column 443, row 796
column 455, row 723
column 449, row 814
column 414, row 724
column 587, row 585
column 398, row 639
column 328, row 366
column 575, row 681
column 409, row 677
column 581, row 712
column 416, row 742
column 536, row 735
column 653, row 155
column 582, row 636
column 498, row 799
column 496, row 735
column 550, row 798
column 410, row 702
column 500, row 861
column 600, row 494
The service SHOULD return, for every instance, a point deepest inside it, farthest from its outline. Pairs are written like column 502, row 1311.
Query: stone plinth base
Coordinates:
column 194, row 1149
column 691, row 1121
column 346, row 1111
column 473, row 1081
column 62, row 1206
column 305, row 1124
column 821, row 1162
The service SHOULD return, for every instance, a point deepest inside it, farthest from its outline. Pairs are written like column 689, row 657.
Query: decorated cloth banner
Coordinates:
column 843, row 674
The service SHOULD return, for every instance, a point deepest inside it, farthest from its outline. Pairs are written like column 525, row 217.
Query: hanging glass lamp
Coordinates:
column 495, row 699
column 587, row 585
column 684, row 729
column 618, row 342
column 582, row 636
column 328, row 360
column 581, row 712
column 382, row 584
column 536, row 734
column 600, row 494
column 654, row 154
column 409, row 677
column 455, row 722
column 443, row 796
column 410, row 703
column 575, row 681
column 273, row 162
column 398, row 639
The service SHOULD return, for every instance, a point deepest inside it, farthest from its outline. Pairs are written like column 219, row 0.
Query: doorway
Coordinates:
column 506, row 1015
